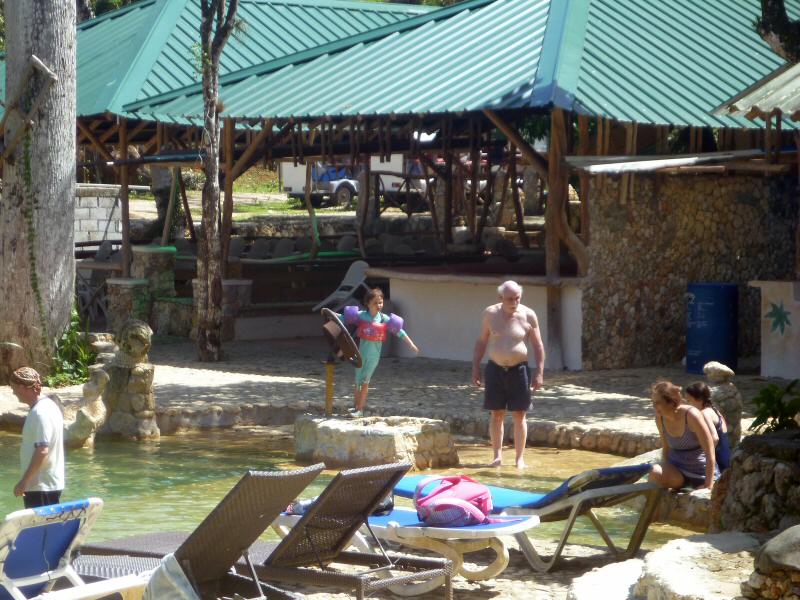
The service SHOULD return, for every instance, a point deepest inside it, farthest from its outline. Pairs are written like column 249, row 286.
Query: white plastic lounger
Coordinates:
column 37, row 546
column 577, row 496
column 404, row 527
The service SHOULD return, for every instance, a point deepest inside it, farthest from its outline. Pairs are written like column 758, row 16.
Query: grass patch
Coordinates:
column 257, row 180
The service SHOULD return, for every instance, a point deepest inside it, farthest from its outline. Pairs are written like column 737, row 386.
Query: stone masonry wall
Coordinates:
column 671, row 231
column 94, row 204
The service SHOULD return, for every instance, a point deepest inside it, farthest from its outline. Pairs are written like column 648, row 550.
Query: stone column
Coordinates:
column 127, row 299
column 236, row 295
column 157, row 265
column 726, row 397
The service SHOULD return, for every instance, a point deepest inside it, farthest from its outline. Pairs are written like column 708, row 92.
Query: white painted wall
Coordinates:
column 443, row 317
column 780, row 347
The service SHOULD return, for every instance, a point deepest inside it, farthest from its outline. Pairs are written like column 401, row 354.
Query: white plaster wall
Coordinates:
column 443, row 318
column 780, row 347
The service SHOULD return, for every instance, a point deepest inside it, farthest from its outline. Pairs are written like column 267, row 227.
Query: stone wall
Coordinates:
column 671, row 231
column 761, row 490
column 97, row 212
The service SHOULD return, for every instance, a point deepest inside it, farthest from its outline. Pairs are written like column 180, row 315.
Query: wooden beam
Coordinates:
column 518, row 211
column 532, row 156
column 97, row 145
column 243, row 162
column 123, row 197
column 187, row 211
column 556, row 224
column 585, row 180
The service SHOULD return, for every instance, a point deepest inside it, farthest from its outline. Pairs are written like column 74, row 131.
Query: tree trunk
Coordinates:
column 214, row 33
column 778, row 30
column 84, row 10
column 37, row 267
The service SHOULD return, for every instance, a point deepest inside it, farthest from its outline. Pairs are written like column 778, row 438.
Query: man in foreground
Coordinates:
column 506, row 330
column 42, row 451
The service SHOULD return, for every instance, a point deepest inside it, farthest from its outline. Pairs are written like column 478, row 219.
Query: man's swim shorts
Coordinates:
column 507, row 388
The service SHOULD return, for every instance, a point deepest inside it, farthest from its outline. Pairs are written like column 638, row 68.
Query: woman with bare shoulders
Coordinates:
column 698, row 395
column 686, row 443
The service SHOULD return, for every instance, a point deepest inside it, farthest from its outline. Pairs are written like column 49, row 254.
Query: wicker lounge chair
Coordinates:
column 577, row 496
column 223, row 538
column 303, row 557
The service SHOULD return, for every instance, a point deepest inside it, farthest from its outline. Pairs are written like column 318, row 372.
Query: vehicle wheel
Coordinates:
column 343, row 195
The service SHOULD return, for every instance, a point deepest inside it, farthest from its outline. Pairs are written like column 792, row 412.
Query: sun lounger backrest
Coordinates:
column 328, row 525
column 34, row 541
column 239, row 519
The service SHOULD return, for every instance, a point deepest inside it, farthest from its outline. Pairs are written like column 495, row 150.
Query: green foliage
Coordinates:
column 73, row 356
column 776, row 407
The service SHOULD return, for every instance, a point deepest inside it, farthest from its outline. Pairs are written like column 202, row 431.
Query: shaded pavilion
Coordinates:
column 632, row 78
column 150, row 47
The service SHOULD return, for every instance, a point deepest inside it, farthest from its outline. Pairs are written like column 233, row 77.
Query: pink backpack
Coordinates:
column 458, row 500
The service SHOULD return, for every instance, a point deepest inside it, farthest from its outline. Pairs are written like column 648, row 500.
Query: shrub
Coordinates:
column 776, row 407
column 73, row 356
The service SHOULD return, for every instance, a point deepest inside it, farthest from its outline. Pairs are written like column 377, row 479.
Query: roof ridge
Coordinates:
column 150, row 48
column 374, row 6
column 562, row 52
column 310, row 54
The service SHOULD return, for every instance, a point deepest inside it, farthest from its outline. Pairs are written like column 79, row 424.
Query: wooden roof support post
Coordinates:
column 123, row 199
column 311, row 213
column 227, row 203
column 585, row 178
column 518, row 211
column 558, row 190
column 532, row 156
column 797, row 233
column 186, row 210
column 363, row 205
column 447, row 226
column 560, row 187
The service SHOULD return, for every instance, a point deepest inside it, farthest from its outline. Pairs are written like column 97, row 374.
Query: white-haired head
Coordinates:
column 509, row 287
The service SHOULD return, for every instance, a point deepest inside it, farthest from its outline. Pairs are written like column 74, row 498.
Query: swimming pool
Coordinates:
column 172, row 484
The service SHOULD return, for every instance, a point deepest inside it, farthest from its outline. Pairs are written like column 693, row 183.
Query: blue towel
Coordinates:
column 504, row 498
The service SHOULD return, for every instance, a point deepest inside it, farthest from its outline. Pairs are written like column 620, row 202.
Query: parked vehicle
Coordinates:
column 339, row 182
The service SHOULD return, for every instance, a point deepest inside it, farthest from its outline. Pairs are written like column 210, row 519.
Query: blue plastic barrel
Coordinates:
column 712, row 322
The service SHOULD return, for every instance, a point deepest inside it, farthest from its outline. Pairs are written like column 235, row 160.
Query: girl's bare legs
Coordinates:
column 361, row 396
column 666, row 475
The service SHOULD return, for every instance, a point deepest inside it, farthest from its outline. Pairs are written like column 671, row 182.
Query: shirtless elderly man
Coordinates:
column 505, row 329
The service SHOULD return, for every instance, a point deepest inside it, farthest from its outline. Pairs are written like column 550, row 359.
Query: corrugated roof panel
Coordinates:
column 630, row 60
column 271, row 29
column 778, row 91
column 670, row 62
column 443, row 65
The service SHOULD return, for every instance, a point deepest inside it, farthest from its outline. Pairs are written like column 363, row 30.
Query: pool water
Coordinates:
column 172, row 484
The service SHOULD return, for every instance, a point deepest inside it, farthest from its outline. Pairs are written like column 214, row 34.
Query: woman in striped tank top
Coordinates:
column 686, row 443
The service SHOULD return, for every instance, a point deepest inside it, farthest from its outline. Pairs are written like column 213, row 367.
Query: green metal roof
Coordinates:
column 150, row 47
column 630, row 60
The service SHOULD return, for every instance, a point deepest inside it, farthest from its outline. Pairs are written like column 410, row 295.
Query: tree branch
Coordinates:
column 778, row 30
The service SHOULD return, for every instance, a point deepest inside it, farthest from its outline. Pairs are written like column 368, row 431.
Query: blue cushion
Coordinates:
column 504, row 498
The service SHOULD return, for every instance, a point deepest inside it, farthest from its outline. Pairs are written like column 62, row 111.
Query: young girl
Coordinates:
column 373, row 328
column 686, row 444
column 699, row 396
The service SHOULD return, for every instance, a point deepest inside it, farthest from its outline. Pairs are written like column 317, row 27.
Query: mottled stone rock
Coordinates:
column 717, row 373
column 781, row 553
column 616, row 581
column 705, row 567
column 425, row 443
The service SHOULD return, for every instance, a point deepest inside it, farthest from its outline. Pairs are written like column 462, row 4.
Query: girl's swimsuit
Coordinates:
column 723, row 450
column 371, row 333
column 686, row 454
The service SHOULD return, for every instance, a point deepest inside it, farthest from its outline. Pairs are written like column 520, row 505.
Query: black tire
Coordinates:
column 343, row 196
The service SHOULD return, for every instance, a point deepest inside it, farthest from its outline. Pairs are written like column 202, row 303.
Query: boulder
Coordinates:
column 425, row 443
